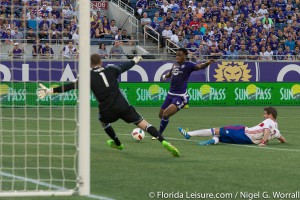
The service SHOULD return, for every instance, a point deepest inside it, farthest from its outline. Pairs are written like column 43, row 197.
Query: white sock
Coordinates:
column 216, row 139
column 202, row 132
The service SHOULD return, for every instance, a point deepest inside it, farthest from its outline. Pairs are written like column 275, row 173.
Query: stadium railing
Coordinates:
column 152, row 33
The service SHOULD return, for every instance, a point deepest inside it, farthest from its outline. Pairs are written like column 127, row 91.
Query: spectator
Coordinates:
column 165, row 6
column 269, row 53
column 214, row 53
column 274, row 43
column 182, row 42
column 102, row 51
column 280, row 54
column 17, row 52
column 118, row 36
column 44, row 35
column 296, row 53
column 69, row 51
column 75, row 36
column 281, row 37
column 113, row 28
column 200, row 54
column 141, row 6
column 145, row 21
column 191, row 5
column 36, row 47
column 106, row 25
column 18, row 36
column 101, row 31
column 288, row 53
column 232, row 54
column 263, row 11
column 66, row 36
column 290, row 42
column 174, row 38
column 117, row 51
column 47, row 51
column 125, row 37
column 254, row 54
column 192, row 46
column 30, row 36
column 263, row 55
column 44, row 22
column 7, row 37
column 32, row 22
column 166, row 34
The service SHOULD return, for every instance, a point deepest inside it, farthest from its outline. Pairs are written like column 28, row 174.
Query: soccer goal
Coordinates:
column 45, row 144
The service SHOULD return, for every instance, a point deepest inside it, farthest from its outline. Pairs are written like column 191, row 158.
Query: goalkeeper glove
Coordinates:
column 43, row 91
column 137, row 59
column 164, row 77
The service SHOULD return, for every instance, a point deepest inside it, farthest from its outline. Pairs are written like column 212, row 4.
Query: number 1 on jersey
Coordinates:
column 104, row 79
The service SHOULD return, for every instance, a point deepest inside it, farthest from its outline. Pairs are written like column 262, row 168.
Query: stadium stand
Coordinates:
column 265, row 25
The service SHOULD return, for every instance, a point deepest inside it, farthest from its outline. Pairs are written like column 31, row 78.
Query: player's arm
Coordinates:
column 167, row 75
column 204, row 65
column 128, row 65
column 281, row 139
column 43, row 91
column 265, row 139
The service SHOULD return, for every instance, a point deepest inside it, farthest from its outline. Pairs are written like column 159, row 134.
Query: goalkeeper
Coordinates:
column 112, row 103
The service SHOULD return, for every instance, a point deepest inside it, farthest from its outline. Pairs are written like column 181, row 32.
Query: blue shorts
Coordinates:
column 179, row 101
column 234, row 134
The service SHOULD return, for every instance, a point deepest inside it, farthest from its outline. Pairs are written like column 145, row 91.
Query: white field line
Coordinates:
column 238, row 145
column 56, row 187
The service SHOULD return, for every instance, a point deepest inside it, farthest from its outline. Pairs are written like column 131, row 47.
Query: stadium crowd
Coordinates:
column 44, row 22
column 228, row 29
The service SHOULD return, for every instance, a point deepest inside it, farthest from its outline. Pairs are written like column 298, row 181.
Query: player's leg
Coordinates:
column 164, row 119
column 202, row 132
column 154, row 132
column 170, row 107
column 132, row 116
column 115, row 142
column 164, row 115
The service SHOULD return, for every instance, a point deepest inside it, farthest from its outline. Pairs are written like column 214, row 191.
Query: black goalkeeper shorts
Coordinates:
column 130, row 115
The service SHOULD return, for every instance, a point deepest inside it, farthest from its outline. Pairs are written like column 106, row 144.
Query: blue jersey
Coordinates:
column 180, row 76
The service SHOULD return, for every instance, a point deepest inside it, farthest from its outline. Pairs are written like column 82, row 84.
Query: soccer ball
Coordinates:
column 138, row 134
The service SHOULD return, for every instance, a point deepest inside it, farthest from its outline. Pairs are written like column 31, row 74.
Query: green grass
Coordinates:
column 145, row 166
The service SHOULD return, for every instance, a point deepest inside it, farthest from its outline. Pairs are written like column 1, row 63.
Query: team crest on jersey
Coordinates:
column 261, row 124
column 234, row 72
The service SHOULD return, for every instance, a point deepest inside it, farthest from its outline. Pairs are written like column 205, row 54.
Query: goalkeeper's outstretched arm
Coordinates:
column 66, row 87
column 43, row 91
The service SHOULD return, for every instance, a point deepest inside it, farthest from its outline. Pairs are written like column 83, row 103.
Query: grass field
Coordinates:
column 144, row 167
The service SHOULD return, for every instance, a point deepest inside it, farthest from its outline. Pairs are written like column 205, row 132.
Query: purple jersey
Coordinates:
column 180, row 77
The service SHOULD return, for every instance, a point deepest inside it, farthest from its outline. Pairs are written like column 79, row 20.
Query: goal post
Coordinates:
column 45, row 144
column 84, row 98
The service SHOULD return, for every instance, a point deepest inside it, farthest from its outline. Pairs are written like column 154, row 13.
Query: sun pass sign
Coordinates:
column 60, row 71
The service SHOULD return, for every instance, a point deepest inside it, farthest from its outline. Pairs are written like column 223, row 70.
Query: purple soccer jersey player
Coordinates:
column 177, row 96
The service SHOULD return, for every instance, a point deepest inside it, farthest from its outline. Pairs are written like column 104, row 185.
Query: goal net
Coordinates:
column 44, row 143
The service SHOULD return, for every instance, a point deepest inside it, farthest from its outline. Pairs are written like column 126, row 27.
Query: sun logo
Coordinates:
column 251, row 91
column 232, row 72
column 154, row 91
column 205, row 91
column 4, row 91
column 296, row 91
